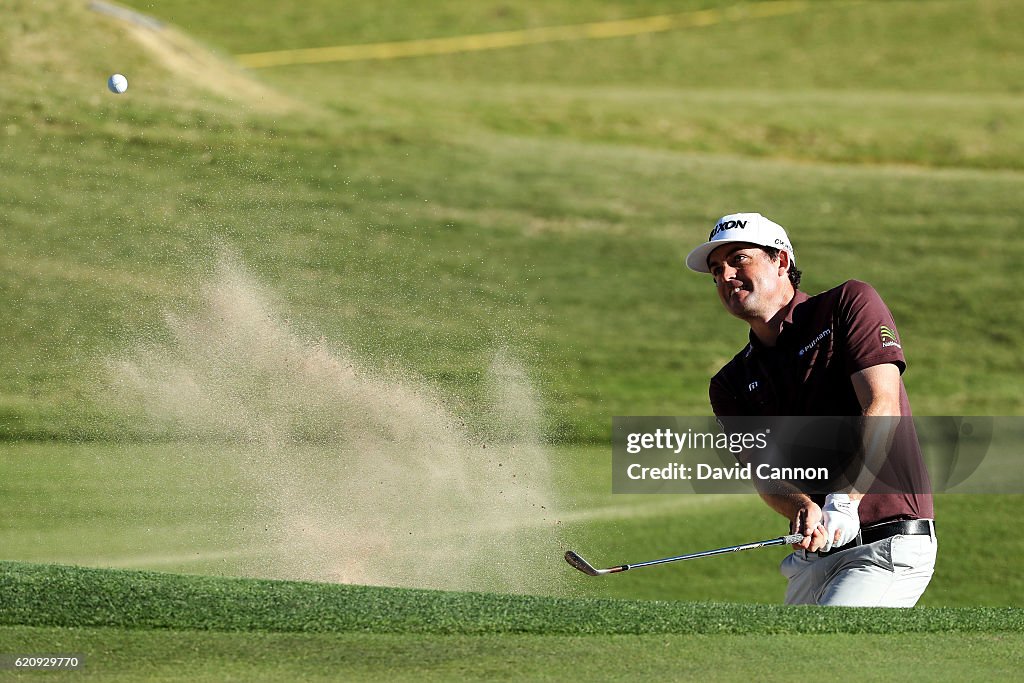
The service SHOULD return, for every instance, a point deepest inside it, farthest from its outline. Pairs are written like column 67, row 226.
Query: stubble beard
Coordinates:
column 752, row 304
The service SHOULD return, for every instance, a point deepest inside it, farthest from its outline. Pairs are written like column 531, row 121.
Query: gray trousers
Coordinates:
column 892, row 572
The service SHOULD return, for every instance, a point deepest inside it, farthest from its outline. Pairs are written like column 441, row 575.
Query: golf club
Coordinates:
column 579, row 563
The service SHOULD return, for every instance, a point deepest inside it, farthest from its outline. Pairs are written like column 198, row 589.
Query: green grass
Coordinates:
column 132, row 655
column 148, row 600
column 449, row 206
column 203, row 510
column 427, row 213
column 147, row 625
column 897, row 46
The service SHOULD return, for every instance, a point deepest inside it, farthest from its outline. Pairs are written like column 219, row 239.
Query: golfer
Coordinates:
column 835, row 353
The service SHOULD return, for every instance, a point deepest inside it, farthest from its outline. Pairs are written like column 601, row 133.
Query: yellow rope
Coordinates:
column 533, row 36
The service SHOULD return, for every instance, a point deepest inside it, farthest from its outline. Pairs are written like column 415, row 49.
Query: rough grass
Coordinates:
column 149, row 626
column 149, row 600
column 138, row 626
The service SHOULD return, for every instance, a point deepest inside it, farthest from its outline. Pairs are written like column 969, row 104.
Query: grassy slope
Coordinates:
column 834, row 45
column 196, row 627
column 448, row 206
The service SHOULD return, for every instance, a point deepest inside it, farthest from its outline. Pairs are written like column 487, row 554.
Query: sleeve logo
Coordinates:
column 889, row 337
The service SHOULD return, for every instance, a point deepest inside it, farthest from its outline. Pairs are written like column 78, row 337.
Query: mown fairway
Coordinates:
column 429, row 213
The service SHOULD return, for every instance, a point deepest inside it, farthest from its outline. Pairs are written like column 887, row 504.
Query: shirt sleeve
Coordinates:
column 870, row 332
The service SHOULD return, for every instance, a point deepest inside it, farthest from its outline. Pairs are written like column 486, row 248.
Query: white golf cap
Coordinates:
column 740, row 227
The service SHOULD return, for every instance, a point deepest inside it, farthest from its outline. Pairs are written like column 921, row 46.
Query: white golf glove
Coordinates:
column 840, row 514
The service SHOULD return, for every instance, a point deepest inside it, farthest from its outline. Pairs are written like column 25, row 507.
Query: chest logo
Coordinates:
column 814, row 342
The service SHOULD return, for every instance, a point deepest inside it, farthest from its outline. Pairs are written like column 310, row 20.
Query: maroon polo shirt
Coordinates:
column 824, row 339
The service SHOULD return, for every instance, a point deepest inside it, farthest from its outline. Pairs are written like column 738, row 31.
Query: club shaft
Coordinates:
column 574, row 559
column 708, row 553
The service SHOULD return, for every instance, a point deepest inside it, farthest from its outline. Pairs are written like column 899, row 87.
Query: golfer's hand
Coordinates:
column 841, row 519
column 808, row 522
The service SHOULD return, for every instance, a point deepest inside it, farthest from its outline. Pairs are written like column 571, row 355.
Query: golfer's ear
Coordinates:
column 783, row 262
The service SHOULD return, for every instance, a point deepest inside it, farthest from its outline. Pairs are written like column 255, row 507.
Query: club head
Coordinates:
column 579, row 563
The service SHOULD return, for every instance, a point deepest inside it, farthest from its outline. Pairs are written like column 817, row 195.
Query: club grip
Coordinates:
column 792, row 538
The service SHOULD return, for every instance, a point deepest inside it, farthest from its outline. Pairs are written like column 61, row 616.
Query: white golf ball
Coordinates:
column 117, row 84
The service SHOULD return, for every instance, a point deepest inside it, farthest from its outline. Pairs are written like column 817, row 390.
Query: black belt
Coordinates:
column 880, row 532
